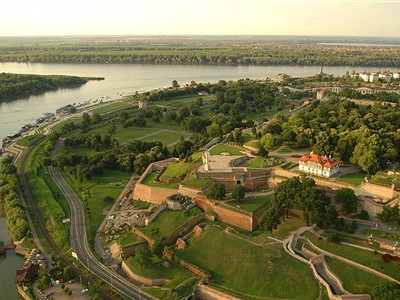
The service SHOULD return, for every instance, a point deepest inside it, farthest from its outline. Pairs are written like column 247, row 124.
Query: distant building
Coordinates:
column 280, row 77
column 142, row 104
column 319, row 165
column 202, row 93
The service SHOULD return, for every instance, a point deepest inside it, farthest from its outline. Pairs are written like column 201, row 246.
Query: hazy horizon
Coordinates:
column 369, row 18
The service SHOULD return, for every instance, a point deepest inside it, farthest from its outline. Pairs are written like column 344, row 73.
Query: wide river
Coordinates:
column 119, row 80
column 126, row 79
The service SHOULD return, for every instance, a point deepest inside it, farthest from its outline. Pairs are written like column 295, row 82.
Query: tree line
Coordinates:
column 10, row 200
column 233, row 54
column 17, row 85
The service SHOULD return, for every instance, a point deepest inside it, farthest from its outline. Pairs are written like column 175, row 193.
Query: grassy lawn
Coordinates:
column 291, row 224
column 165, row 137
column 81, row 150
column 180, row 169
column 249, row 270
column 198, row 182
column 124, row 134
column 355, row 178
column 111, row 183
column 265, row 162
column 141, row 204
column 50, row 201
column 284, row 150
column 252, row 204
column 167, row 221
column 29, row 140
column 223, row 148
column 113, row 106
column 130, row 239
column 384, row 179
column 364, row 257
column 149, row 180
column 182, row 280
column 253, row 143
column 354, row 279
column 382, row 234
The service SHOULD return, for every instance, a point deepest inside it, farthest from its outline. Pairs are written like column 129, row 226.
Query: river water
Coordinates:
column 119, row 80
column 9, row 263
column 125, row 79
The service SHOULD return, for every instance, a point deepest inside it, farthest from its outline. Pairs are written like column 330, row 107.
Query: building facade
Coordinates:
column 319, row 165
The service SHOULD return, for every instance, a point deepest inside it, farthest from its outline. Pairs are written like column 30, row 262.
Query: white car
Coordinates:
column 84, row 291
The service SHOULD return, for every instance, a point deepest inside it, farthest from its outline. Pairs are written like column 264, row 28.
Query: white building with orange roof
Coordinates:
column 319, row 165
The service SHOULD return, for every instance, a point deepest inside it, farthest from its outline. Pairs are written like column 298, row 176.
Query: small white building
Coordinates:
column 385, row 77
column 319, row 165
column 142, row 104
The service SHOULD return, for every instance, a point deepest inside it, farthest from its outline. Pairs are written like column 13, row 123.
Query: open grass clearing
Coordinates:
column 363, row 257
column 252, row 204
column 248, row 269
column 150, row 181
column 354, row 178
column 128, row 238
column 383, row 178
column 29, row 140
column 111, row 183
column 182, row 280
column 224, row 148
column 284, row 150
column 382, row 234
column 180, row 169
column 165, row 137
column 354, row 279
column 50, row 201
column 122, row 134
column 168, row 221
column 111, row 107
column 253, row 143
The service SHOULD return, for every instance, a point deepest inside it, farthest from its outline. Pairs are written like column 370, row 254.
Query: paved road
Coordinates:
column 80, row 244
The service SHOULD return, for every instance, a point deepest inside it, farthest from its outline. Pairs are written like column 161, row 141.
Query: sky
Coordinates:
column 200, row 17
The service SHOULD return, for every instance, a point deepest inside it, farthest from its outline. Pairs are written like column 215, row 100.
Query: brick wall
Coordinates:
column 226, row 215
column 152, row 194
column 149, row 240
column 205, row 292
column 143, row 280
column 189, row 191
column 194, row 269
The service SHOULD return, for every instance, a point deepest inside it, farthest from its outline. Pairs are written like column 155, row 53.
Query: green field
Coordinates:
column 29, row 140
column 265, row 162
column 167, row 221
column 50, row 201
column 355, row 178
column 252, row 204
column 364, row 257
column 223, row 148
column 253, row 143
column 149, row 180
column 111, row 107
column 182, row 280
column 355, row 280
column 128, row 238
column 249, row 270
column 111, row 183
column 165, row 137
column 284, row 150
column 384, row 179
column 381, row 234
column 180, row 169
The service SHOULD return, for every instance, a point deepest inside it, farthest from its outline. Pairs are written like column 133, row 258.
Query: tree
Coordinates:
column 217, row 191
column 238, row 192
column 270, row 219
column 386, row 291
column 347, row 199
column 111, row 129
column 142, row 256
column 175, row 84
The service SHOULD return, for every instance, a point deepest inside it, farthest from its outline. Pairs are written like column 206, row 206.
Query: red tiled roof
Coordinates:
column 324, row 161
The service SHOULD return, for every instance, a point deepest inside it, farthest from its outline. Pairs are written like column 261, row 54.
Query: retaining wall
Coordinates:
column 205, row 292
column 152, row 194
column 141, row 279
column 189, row 191
column 226, row 215
column 378, row 190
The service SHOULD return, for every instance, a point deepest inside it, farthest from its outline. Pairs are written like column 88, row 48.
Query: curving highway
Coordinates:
column 80, row 245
